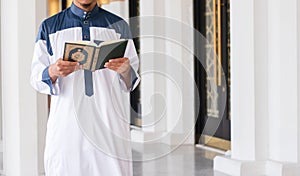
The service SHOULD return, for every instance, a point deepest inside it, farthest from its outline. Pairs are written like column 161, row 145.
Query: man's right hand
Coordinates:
column 62, row 68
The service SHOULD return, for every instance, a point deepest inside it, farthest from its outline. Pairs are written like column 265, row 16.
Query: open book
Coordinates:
column 92, row 56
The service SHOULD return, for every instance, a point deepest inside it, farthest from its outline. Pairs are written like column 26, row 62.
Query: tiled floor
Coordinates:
column 187, row 160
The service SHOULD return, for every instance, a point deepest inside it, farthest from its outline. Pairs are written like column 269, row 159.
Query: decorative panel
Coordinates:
column 212, row 76
column 217, row 54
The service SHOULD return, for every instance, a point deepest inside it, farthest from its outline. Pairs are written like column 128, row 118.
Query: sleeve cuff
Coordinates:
column 46, row 79
column 134, row 80
column 134, row 77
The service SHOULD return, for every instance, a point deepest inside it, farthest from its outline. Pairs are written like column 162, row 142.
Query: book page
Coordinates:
column 82, row 42
column 111, row 42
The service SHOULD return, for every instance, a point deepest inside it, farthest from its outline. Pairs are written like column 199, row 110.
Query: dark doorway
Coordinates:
column 135, row 102
column 211, row 19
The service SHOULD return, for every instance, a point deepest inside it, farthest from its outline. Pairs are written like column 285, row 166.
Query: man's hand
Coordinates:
column 121, row 66
column 62, row 68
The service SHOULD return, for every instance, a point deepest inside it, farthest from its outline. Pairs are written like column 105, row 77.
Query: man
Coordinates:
column 87, row 130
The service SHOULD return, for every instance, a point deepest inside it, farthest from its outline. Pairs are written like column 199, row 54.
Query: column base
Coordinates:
column 234, row 167
column 138, row 135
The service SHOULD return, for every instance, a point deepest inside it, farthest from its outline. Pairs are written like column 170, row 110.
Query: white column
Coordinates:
column 174, row 68
column 159, row 97
column 167, row 100
column 265, row 89
column 120, row 8
column 261, row 79
column 152, row 59
column 187, row 61
column 179, row 65
column 147, row 63
column 20, row 123
column 242, row 76
column 283, row 80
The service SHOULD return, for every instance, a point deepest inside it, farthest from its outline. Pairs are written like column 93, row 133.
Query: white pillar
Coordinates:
column 265, row 89
column 120, row 8
column 261, row 79
column 179, row 65
column 283, row 80
column 159, row 117
column 243, row 77
column 167, row 100
column 153, row 91
column 20, row 101
column 146, row 63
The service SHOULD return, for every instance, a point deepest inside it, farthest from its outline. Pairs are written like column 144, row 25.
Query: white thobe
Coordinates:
column 86, row 136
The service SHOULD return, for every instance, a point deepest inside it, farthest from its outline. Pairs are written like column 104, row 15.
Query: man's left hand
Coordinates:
column 121, row 66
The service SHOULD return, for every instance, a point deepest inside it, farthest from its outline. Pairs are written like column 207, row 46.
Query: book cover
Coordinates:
column 92, row 56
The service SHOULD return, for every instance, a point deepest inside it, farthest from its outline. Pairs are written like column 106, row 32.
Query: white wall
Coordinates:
column 1, row 137
column 42, row 99
column 20, row 101
column 298, row 44
column 0, row 86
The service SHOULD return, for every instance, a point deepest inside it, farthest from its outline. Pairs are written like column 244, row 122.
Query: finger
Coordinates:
column 126, row 63
column 118, row 69
column 61, row 66
column 69, row 63
column 68, row 69
column 65, row 72
column 119, row 60
column 113, row 68
column 123, row 65
column 113, row 64
column 78, row 67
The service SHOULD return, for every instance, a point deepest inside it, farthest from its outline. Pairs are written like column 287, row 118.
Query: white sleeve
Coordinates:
column 134, row 63
column 40, row 62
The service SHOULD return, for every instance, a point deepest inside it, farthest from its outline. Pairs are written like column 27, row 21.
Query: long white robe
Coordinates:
column 86, row 136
